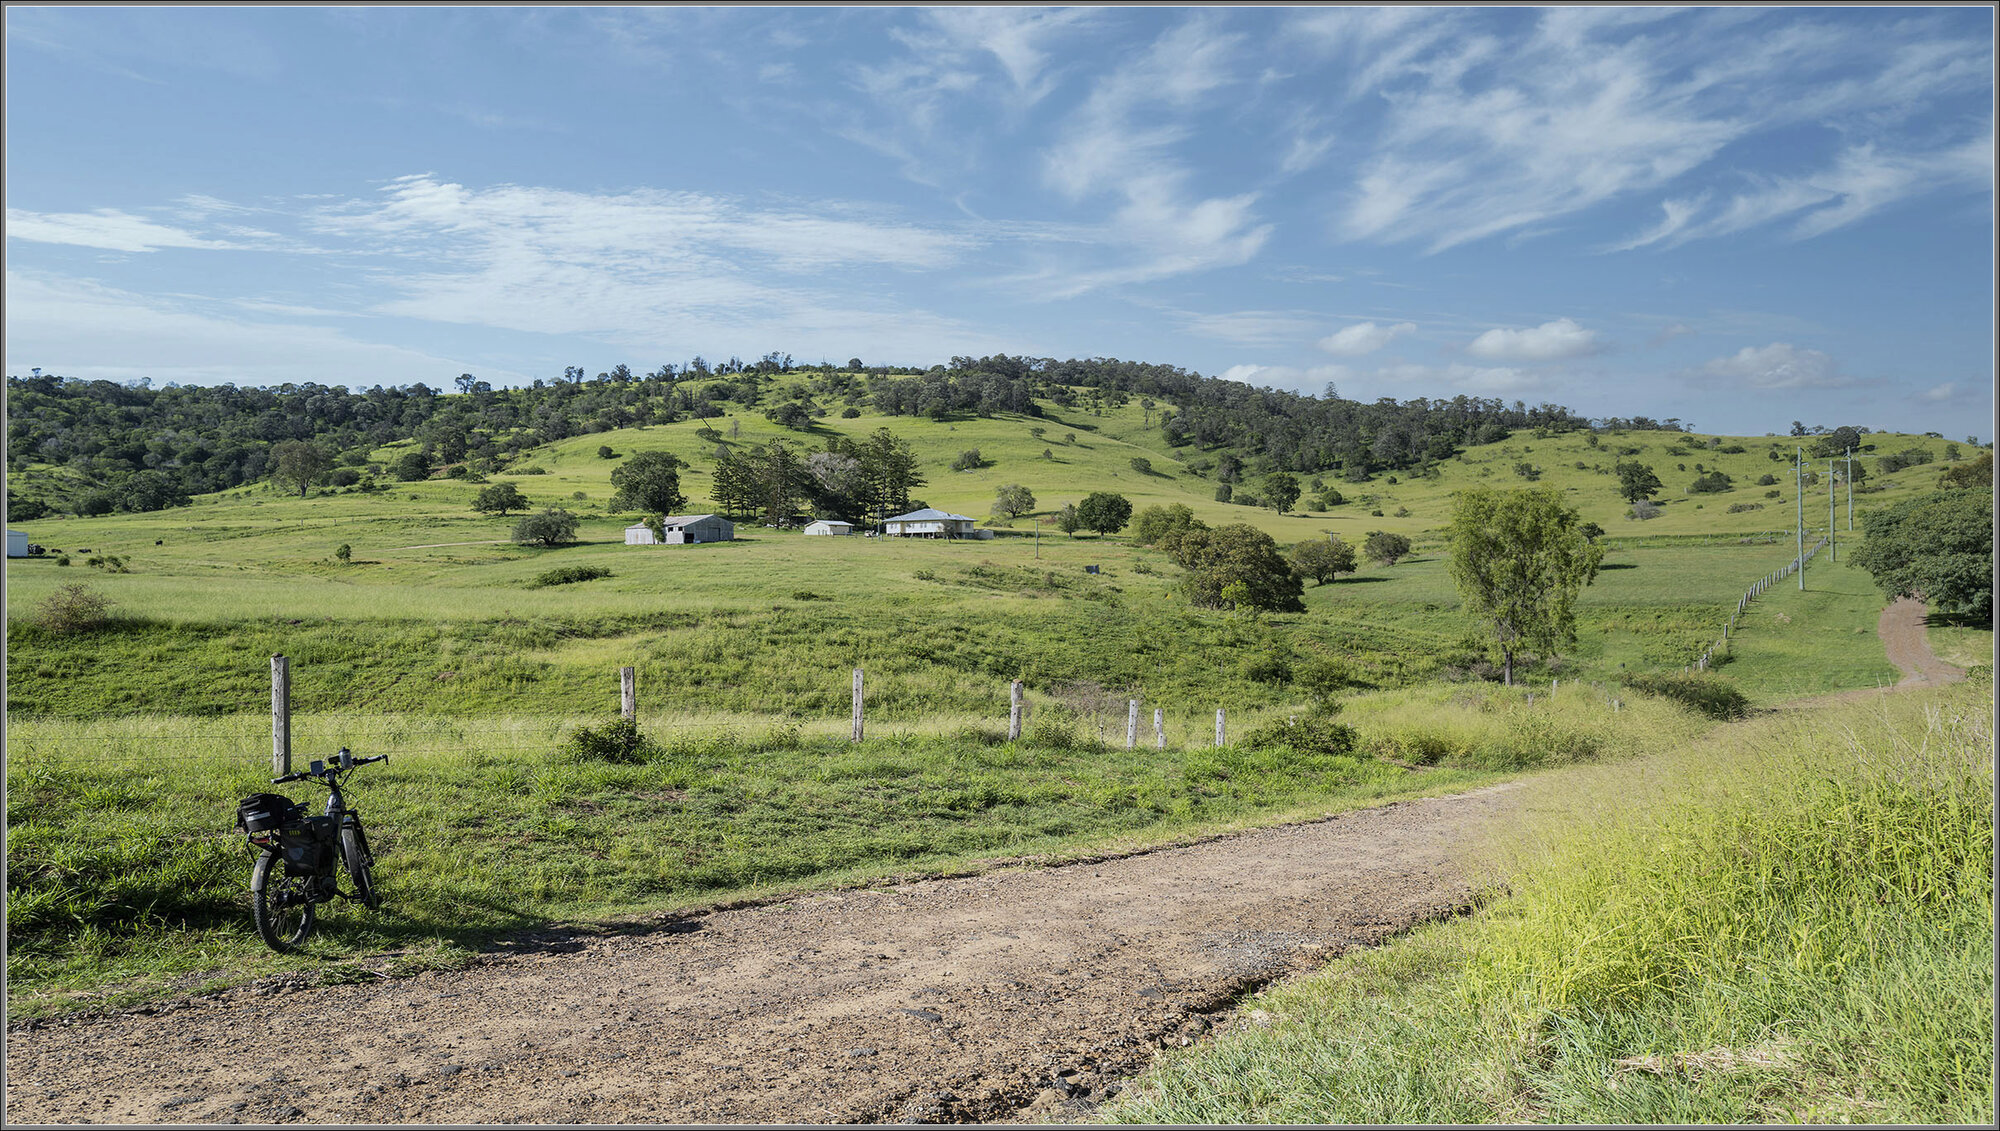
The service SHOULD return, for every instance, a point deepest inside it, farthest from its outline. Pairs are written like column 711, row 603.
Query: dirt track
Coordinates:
column 1019, row 994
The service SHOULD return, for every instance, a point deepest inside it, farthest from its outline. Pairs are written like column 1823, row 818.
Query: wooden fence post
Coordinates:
column 1220, row 726
column 281, row 716
column 628, row 693
column 1014, row 713
column 1131, row 723
column 857, row 706
column 1160, row 727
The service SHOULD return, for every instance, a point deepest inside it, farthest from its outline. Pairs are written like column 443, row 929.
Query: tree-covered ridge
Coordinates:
column 135, row 447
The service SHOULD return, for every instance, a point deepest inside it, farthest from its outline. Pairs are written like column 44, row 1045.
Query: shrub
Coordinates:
column 1739, row 508
column 616, row 741
column 967, row 460
column 1385, row 547
column 568, row 575
column 1710, row 694
column 531, row 469
column 1645, row 509
column 850, row 413
column 74, row 609
column 1318, row 732
column 345, row 552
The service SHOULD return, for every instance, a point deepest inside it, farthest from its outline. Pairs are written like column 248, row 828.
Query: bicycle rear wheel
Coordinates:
column 360, row 866
column 281, row 905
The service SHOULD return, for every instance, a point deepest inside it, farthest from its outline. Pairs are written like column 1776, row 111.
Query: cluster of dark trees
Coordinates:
column 861, row 481
column 129, row 446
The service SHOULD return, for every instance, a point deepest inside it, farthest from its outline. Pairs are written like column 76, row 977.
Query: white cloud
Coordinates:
column 1457, row 378
column 1249, row 327
column 131, row 335
column 1943, row 392
column 1363, row 337
column 1551, row 341
column 107, row 228
column 1779, row 365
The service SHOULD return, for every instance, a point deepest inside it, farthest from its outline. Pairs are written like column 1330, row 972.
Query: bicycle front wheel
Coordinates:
column 360, row 866
column 281, row 905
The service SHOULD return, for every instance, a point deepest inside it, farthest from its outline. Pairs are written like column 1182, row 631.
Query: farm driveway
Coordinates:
column 1021, row 993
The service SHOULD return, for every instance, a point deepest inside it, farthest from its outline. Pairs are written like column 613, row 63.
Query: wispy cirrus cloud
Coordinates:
column 107, row 229
column 1596, row 105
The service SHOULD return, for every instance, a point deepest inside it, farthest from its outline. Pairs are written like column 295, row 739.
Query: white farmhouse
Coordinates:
column 830, row 526
column 931, row 523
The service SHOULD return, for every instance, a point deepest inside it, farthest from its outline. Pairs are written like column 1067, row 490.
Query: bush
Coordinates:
column 616, row 741
column 1318, row 732
column 568, row 575
column 1385, row 547
column 1710, row 694
column 1645, row 509
column 1739, row 508
column 967, row 460
column 73, row 609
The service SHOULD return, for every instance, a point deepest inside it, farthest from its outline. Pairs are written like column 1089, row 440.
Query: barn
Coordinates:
column 687, row 529
column 830, row 526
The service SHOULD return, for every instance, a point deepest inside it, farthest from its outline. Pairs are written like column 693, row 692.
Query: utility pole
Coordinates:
column 1832, row 547
column 1799, row 475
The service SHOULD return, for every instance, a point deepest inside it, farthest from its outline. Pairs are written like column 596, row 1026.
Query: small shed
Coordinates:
column 830, row 526
column 640, row 535
column 690, row 529
column 17, row 543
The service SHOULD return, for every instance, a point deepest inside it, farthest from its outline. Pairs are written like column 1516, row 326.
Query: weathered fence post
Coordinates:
column 857, row 706
column 1014, row 712
column 1221, row 726
column 628, row 693
column 281, row 716
column 1160, row 727
column 1131, row 723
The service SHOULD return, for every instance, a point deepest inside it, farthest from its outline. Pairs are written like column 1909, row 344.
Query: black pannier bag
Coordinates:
column 262, row 816
column 307, row 846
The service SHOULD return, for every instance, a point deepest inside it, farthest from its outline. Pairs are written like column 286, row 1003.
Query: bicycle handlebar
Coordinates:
column 328, row 772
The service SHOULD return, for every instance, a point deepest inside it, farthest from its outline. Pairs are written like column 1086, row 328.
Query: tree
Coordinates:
column 1068, row 520
column 501, row 498
column 413, row 466
column 1976, row 474
column 553, row 527
column 1385, row 547
column 1162, row 526
column 1281, row 490
column 649, row 482
column 1013, row 501
column 300, row 464
column 1519, row 559
column 1936, row 547
column 1710, row 483
column 1236, row 566
column 1104, row 512
column 1322, row 559
column 1636, row 481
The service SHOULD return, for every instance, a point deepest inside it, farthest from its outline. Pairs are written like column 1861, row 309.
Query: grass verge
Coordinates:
column 1789, row 922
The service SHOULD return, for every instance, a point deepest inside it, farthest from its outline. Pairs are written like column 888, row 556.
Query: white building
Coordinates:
column 683, row 530
column 640, row 535
column 830, row 526
column 931, row 523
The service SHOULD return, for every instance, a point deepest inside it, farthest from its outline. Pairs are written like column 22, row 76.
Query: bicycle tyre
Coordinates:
column 360, row 866
column 281, row 905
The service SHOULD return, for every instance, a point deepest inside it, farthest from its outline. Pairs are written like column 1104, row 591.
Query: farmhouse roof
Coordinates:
column 928, row 514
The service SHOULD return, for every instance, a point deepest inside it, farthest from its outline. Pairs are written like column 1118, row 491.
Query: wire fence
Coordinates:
column 1763, row 585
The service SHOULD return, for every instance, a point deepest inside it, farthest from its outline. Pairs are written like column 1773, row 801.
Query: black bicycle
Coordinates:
column 301, row 856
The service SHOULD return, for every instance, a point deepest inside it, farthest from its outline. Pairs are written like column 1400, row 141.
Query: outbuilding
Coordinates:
column 17, row 543
column 640, row 535
column 830, row 526
column 688, row 529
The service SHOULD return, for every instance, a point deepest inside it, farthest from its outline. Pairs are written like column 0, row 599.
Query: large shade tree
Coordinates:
column 649, row 481
column 1519, row 559
column 1937, row 547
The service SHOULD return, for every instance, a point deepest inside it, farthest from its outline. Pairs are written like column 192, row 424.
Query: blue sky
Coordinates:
column 1738, row 217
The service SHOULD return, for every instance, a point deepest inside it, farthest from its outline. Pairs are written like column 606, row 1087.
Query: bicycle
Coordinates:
column 296, row 868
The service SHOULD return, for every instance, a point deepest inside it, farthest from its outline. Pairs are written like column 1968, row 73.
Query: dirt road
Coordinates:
column 1020, row 993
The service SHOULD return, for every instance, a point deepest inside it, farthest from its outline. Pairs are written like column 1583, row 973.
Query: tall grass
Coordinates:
column 1793, row 923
